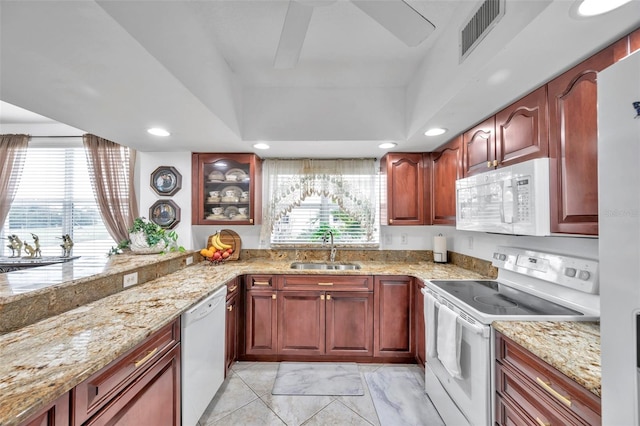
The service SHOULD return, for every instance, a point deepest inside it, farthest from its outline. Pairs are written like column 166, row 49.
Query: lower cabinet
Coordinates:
column 260, row 316
column 531, row 392
column 54, row 414
column 232, row 323
column 393, row 319
column 418, row 323
column 140, row 387
column 322, row 322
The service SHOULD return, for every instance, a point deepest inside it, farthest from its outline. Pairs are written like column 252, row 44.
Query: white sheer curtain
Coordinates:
column 13, row 151
column 350, row 183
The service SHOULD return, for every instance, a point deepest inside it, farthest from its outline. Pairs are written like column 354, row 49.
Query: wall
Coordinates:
column 146, row 163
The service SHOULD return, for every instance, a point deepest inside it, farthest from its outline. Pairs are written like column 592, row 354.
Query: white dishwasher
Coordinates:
column 203, row 363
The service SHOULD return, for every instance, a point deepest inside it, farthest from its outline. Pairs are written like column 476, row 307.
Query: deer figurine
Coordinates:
column 15, row 245
column 67, row 245
column 36, row 242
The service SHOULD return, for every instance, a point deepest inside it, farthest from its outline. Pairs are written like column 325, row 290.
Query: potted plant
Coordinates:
column 146, row 237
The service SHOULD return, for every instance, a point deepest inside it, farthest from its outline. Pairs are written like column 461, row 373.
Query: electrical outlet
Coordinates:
column 404, row 239
column 189, row 260
column 388, row 239
column 130, row 279
column 470, row 243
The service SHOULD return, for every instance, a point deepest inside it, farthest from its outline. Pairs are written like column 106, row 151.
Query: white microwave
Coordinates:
column 510, row 200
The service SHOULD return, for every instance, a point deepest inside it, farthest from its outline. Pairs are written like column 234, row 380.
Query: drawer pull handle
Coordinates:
column 328, row 297
column 541, row 423
column 230, row 308
column 261, row 283
column 146, row 358
column 232, row 289
column 322, row 297
column 273, row 296
column 325, row 283
column 547, row 386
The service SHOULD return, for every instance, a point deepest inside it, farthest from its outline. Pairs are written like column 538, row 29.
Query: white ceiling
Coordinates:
column 204, row 70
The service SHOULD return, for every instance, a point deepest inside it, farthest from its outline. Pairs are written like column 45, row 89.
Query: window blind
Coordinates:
column 55, row 198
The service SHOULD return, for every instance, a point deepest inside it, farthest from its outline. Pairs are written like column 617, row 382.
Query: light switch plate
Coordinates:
column 130, row 279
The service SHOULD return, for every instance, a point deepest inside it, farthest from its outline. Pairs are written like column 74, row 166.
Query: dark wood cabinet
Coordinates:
column 418, row 321
column 232, row 325
column 393, row 320
column 634, row 41
column 260, row 327
column 54, row 414
column 325, row 315
column 445, row 169
column 226, row 189
column 479, row 154
column 403, row 198
column 521, row 130
column 153, row 399
column 141, row 386
column 530, row 391
column 573, row 146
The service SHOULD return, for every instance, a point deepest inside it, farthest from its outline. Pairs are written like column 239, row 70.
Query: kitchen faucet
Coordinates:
column 332, row 253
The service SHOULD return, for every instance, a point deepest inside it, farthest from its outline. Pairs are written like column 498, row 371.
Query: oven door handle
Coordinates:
column 479, row 329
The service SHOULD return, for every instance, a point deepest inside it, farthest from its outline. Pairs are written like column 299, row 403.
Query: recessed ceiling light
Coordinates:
column 436, row 131
column 598, row 7
column 387, row 145
column 260, row 145
column 157, row 131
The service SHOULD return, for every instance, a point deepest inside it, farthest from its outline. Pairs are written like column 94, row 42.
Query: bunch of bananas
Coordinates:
column 218, row 251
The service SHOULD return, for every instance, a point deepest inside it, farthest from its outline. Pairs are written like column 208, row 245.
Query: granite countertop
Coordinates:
column 42, row 361
column 573, row 348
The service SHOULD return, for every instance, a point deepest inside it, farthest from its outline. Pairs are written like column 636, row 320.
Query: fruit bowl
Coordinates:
column 222, row 246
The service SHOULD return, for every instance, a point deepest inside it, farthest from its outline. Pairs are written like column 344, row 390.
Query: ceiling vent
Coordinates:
column 482, row 20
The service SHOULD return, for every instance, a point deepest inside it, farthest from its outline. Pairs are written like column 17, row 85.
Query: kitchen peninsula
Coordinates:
column 44, row 360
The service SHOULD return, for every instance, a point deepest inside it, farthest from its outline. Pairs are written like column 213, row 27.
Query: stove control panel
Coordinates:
column 573, row 272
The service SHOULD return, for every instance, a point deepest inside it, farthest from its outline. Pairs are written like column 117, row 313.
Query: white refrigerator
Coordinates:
column 619, row 239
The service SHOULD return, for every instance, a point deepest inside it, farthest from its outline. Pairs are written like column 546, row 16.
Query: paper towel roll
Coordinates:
column 440, row 249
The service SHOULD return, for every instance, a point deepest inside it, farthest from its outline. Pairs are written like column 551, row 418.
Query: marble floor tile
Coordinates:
column 232, row 395
column 363, row 405
column 319, row 378
column 260, row 376
column 294, row 410
column 336, row 413
column 253, row 414
column 399, row 398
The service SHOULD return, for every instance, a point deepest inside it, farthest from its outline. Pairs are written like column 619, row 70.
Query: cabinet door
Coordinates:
column 54, row 414
column 349, row 324
column 521, row 129
column 573, row 146
column 153, row 399
column 418, row 320
column 634, row 41
column 260, row 323
column 405, row 191
column 446, row 168
column 301, row 322
column 479, row 148
column 226, row 189
column 392, row 323
column 231, row 338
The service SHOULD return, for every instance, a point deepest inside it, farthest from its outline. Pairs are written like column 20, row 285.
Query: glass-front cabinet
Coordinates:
column 226, row 189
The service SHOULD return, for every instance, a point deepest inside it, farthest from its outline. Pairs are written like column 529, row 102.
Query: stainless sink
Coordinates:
column 325, row 266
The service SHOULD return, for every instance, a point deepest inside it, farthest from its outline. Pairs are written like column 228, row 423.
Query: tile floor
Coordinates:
column 245, row 399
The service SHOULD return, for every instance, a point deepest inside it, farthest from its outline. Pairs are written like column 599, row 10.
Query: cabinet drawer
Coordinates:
column 326, row 282
column 233, row 288
column 257, row 282
column 100, row 388
column 534, row 405
column 549, row 381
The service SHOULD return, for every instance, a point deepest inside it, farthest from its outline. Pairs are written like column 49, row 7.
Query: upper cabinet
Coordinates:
column 445, row 168
column 403, row 189
column 573, row 146
column 226, row 189
column 479, row 148
column 521, row 130
column 515, row 134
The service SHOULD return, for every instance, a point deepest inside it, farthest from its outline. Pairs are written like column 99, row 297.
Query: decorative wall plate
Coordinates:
column 166, row 180
column 165, row 213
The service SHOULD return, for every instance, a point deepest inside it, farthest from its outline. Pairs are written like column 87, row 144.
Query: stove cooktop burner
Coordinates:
column 495, row 298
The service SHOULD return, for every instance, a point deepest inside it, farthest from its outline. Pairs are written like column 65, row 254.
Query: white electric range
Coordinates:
column 531, row 286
